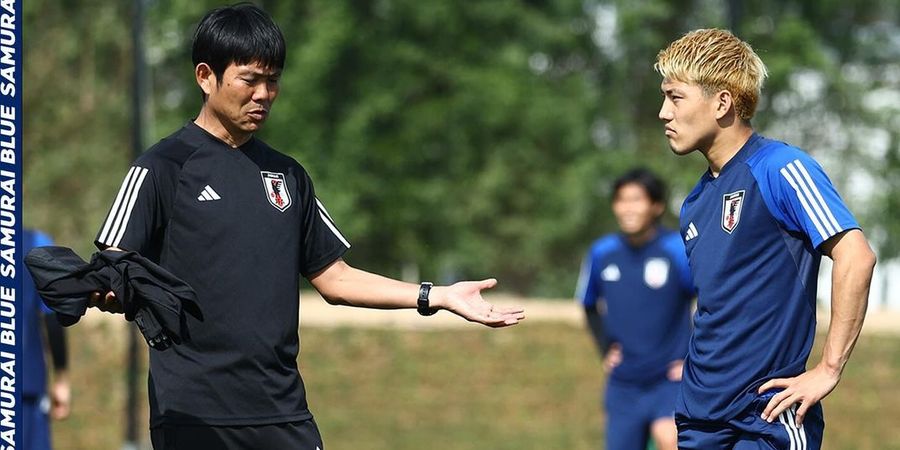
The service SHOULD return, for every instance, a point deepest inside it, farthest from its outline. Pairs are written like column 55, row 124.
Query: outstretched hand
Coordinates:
column 464, row 299
column 806, row 389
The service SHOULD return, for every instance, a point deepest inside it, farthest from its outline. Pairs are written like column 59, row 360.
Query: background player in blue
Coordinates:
column 39, row 403
column 635, row 286
column 240, row 223
column 755, row 227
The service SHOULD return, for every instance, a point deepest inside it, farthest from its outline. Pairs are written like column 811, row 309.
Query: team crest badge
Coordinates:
column 656, row 272
column 276, row 190
column 731, row 210
column 611, row 273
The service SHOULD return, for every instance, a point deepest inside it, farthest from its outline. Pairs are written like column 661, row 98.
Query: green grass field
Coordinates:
column 535, row 386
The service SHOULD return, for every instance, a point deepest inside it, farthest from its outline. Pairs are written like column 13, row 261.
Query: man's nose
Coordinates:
column 665, row 113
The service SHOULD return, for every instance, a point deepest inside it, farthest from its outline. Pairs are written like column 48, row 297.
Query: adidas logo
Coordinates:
column 208, row 194
column 691, row 232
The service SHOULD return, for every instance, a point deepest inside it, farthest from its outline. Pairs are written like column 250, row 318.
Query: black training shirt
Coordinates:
column 239, row 226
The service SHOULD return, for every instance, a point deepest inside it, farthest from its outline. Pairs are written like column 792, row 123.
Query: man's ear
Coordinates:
column 724, row 103
column 206, row 79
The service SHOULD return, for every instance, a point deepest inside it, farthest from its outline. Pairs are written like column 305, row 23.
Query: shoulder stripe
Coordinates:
column 124, row 201
column 815, row 190
column 583, row 277
column 115, row 207
column 323, row 213
column 801, row 176
column 132, row 200
column 801, row 195
column 807, row 191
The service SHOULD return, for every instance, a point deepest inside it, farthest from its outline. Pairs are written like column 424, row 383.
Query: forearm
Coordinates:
column 346, row 285
column 851, row 277
column 56, row 340
column 595, row 325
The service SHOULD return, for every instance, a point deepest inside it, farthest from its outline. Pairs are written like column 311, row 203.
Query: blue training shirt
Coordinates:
column 33, row 308
column 752, row 236
column 648, row 293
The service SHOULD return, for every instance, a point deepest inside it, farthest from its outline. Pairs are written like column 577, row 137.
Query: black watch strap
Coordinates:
column 422, row 305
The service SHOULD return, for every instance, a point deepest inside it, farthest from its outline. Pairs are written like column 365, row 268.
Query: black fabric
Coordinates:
column 150, row 296
column 283, row 436
column 56, row 340
column 209, row 214
column 595, row 325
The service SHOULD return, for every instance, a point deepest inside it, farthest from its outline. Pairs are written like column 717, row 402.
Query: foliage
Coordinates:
column 465, row 139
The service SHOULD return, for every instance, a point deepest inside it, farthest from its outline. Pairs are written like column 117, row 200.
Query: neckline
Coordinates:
column 206, row 135
column 736, row 159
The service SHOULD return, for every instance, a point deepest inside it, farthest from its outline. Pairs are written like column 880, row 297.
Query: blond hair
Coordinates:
column 716, row 60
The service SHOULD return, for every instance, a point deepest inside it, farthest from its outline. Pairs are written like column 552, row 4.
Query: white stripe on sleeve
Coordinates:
column 134, row 196
column 818, row 194
column 323, row 213
column 807, row 191
column 333, row 229
column 113, row 212
column 583, row 277
column 812, row 217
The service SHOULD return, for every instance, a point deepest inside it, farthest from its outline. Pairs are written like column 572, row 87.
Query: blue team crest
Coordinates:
column 276, row 190
column 656, row 272
column 731, row 210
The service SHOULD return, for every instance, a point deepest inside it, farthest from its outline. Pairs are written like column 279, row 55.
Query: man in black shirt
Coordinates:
column 240, row 222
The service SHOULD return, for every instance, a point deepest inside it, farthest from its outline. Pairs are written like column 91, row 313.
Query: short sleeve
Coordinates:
column 135, row 213
column 38, row 239
column 589, row 288
column 321, row 243
column 801, row 196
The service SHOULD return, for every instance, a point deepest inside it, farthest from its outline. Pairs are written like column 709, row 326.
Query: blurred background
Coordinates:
column 458, row 139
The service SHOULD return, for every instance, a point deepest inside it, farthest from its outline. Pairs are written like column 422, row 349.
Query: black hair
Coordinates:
column 652, row 184
column 240, row 34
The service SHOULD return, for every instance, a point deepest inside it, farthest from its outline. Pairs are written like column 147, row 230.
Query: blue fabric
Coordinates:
column 748, row 431
column 33, row 309
column 35, row 424
column 632, row 409
column 647, row 294
column 752, row 239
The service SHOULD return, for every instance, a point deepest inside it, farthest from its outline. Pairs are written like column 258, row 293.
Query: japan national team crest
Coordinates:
column 656, row 272
column 276, row 190
column 731, row 210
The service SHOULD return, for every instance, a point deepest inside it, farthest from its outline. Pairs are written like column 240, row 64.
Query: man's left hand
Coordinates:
column 806, row 389
column 464, row 299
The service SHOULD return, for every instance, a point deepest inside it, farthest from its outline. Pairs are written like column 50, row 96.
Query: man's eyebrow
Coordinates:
column 672, row 90
column 259, row 72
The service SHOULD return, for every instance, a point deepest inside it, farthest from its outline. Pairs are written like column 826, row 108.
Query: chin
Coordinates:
column 679, row 150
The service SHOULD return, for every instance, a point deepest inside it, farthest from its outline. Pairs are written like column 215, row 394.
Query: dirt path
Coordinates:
column 316, row 313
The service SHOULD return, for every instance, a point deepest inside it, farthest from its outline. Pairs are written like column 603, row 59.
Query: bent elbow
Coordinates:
column 872, row 260
column 333, row 300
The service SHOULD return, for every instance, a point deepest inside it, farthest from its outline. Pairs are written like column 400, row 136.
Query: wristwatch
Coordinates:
column 422, row 304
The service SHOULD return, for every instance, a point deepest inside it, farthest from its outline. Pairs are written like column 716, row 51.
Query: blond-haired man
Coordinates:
column 755, row 227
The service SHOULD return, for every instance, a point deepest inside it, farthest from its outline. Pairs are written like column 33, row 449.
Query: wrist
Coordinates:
column 437, row 297
column 60, row 376
column 426, row 304
column 832, row 369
